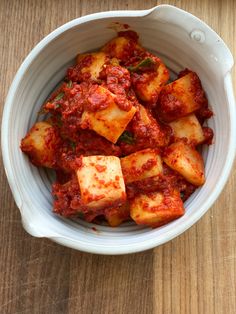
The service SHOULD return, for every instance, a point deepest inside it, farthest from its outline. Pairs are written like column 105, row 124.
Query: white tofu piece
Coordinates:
column 145, row 116
column 156, row 209
column 141, row 165
column 187, row 161
column 40, row 144
column 150, row 89
column 188, row 127
column 101, row 182
column 115, row 216
column 120, row 48
column 181, row 97
column 109, row 122
column 98, row 59
column 154, row 131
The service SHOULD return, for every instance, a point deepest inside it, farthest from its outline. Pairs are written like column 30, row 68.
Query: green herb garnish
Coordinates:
column 80, row 215
column 127, row 137
column 69, row 84
column 58, row 121
column 42, row 111
column 57, row 106
column 59, row 96
column 142, row 65
column 73, row 145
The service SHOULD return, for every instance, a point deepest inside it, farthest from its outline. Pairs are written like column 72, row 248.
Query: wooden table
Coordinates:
column 194, row 273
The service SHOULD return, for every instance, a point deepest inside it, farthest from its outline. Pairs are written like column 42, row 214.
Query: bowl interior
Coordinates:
column 46, row 69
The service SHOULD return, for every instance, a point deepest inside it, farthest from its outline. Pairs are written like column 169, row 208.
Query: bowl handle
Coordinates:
column 34, row 223
column 200, row 33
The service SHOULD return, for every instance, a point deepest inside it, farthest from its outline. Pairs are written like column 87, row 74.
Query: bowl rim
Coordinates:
column 143, row 245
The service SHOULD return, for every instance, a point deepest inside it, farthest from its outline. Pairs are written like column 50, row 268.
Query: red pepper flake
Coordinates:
column 100, row 168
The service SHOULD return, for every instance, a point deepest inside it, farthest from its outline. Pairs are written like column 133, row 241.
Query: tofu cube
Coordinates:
column 91, row 64
column 145, row 116
column 187, row 161
column 156, row 209
column 115, row 216
column 148, row 86
column 101, row 182
column 145, row 124
column 189, row 128
column 109, row 122
column 40, row 144
column 122, row 48
column 181, row 97
column 141, row 165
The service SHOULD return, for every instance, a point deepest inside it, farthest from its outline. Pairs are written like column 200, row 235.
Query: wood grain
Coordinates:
column 194, row 273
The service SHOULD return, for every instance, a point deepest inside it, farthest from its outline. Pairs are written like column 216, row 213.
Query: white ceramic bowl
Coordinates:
column 182, row 40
